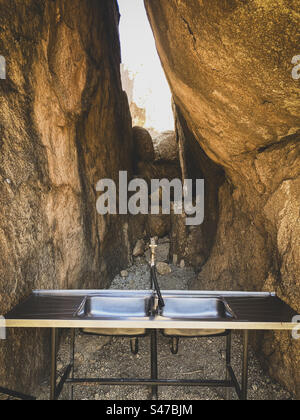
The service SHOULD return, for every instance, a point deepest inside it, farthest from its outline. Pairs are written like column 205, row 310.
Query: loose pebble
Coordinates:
column 124, row 274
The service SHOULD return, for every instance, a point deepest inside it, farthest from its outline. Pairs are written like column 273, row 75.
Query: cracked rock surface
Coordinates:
column 229, row 67
column 64, row 125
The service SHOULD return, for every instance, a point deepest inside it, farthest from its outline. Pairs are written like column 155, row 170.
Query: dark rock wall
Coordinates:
column 64, row 125
column 193, row 244
column 228, row 63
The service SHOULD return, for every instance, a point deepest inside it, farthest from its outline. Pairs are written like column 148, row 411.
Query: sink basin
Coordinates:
column 196, row 308
column 131, row 306
column 118, row 307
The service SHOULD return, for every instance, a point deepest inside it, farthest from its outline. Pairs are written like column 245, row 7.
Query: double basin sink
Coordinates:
column 129, row 307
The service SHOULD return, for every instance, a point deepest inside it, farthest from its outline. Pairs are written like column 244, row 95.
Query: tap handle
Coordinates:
column 153, row 243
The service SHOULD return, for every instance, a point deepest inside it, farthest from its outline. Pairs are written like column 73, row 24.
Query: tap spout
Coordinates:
column 161, row 302
column 154, row 281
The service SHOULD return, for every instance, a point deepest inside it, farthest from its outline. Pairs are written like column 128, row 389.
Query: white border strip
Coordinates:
column 2, row 328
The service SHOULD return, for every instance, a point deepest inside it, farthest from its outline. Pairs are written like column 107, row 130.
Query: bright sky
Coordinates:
column 140, row 57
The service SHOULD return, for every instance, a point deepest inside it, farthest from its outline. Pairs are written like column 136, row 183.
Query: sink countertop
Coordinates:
column 58, row 309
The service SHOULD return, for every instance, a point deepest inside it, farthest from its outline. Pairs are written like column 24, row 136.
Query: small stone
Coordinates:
column 139, row 248
column 254, row 387
column 124, row 274
column 182, row 264
column 165, row 240
column 79, row 357
column 163, row 268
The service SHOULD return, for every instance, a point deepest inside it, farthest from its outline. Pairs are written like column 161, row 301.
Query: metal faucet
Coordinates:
column 159, row 304
column 153, row 247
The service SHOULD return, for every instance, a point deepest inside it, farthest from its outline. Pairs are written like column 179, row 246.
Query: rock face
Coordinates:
column 229, row 66
column 158, row 225
column 155, row 159
column 143, row 145
column 166, row 147
column 64, row 125
column 194, row 243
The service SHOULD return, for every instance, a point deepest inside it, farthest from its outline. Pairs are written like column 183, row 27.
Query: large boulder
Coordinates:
column 166, row 146
column 239, row 99
column 65, row 124
column 143, row 145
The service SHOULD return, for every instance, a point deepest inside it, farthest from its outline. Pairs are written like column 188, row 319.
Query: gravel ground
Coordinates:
column 197, row 358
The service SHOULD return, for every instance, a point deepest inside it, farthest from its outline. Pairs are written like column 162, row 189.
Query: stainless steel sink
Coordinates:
column 131, row 306
column 196, row 308
column 117, row 307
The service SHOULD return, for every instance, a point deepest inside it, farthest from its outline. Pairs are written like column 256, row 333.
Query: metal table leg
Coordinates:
column 245, row 366
column 17, row 395
column 230, row 382
column 53, row 364
column 228, row 363
column 154, row 365
column 72, row 359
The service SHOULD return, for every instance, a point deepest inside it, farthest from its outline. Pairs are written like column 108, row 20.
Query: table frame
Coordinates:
column 154, row 382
